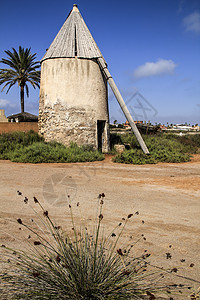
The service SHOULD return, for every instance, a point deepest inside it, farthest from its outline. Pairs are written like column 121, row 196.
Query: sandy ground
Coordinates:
column 167, row 197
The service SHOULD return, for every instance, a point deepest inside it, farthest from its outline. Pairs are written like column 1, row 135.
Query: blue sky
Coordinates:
column 152, row 48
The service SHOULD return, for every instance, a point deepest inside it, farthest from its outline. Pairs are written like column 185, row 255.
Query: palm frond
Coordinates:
column 23, row 69
column 10, row 85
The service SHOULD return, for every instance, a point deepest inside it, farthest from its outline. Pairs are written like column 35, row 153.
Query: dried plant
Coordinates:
column 80, row 265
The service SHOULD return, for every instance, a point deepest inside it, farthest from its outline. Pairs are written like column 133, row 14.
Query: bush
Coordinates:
column 196, row 139
column 163, row 148
column 11, row 141
column 30, row 147
column 52, row 153
column 134, row 157
column 84, row 266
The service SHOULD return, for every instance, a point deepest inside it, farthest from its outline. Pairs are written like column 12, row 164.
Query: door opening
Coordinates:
column 100, row 133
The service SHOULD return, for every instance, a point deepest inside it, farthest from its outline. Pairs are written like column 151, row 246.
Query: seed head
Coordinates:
column 45, row 213
column 19, row 221
column 100, row 217
column 168, row 255
column 57, row 227
column 36, row 243
column 191, row 265
column 35, row 200
column 174, row 270
column 129, row 216
column 119, row 251
column 102, row 195
column 25, row 200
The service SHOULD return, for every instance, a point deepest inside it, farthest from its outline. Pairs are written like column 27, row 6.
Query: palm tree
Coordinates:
column 22, row 70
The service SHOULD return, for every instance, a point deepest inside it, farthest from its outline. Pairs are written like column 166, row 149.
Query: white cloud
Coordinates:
column 4, row 103
column 7, row 104
column 161, row 67
column 192, row 22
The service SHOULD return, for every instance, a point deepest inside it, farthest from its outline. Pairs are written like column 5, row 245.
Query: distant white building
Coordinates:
column 183, row 127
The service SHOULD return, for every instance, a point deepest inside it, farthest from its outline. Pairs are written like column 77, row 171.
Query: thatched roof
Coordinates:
column 24, row 117
column 73, row 40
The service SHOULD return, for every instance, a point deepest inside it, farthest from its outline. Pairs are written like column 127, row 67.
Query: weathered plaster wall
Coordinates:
column 73, row 96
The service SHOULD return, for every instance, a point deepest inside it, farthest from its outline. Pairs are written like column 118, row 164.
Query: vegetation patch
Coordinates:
column 31, row 148
column 78, row 264
column 162, row 147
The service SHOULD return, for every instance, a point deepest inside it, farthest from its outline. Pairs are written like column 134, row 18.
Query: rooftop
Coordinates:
column 24, row 117
column 73, row 40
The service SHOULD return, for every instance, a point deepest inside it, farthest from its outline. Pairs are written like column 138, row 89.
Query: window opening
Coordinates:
column 75, row 40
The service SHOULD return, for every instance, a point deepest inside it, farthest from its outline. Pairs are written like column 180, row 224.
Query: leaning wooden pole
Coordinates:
column 122, row 104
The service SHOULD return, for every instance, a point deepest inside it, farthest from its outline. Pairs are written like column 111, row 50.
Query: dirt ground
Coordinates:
column 167, row 197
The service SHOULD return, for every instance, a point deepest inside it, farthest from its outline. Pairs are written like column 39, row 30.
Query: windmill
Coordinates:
column 73, row 89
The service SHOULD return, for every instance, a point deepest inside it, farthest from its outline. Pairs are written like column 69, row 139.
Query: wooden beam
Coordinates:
column 122, row 104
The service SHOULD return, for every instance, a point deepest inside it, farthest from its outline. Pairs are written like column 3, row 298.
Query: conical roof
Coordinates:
column 73, row 40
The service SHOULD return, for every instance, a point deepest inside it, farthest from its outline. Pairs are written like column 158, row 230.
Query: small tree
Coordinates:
column 23, row 69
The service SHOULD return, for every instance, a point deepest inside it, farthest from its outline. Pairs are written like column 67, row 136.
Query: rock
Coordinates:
column 119, row 148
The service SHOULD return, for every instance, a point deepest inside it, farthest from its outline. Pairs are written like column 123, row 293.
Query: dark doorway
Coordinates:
column 100, row 133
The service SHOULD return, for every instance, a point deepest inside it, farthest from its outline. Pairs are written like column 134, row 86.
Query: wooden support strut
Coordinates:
column 122, row 104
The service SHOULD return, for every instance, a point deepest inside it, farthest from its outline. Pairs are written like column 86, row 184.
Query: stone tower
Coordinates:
column 73, row 90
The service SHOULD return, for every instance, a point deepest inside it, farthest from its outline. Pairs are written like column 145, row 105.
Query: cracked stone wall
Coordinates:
column 73, row 96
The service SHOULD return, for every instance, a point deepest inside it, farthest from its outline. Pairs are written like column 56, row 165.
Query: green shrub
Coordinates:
column 80, row 265
column 134, row 157
column 11, row 141
column 196, row 139
column 162, row 147
column 30, row 147
column 53, row 152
